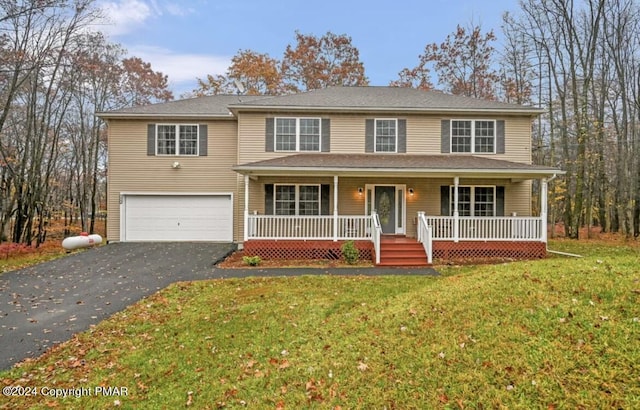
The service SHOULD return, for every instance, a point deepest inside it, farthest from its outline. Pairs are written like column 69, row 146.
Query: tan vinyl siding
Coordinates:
column 423, row 135
column 131, row 170
column 348, row 135
column 517, row 140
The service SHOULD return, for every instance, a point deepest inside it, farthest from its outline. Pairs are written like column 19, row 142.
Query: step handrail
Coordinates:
column 375, row 235
column 425, row 236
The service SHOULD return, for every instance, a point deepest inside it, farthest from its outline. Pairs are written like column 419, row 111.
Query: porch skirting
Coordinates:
column 443, row 251
column 300, row 249
column 469, row 250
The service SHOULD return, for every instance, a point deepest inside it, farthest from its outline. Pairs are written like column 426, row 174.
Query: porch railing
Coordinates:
column 356, row 227
column 425, row 236
column 486, row 228
column 360, row 227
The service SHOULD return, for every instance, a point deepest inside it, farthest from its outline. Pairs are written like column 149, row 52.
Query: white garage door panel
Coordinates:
column 178, row 218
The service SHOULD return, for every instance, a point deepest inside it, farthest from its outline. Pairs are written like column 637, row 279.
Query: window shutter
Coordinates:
column 326, row 135
column 402, row 136
column 202, row 140
column 268, row 199
column 500, row 148
column 151, row 139
column 444, row 200
column 325, row 199
column 445, row 137
column 369, row 143
column 269, row 135
column 499, row 201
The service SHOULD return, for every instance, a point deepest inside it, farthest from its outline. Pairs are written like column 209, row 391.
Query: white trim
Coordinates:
column 375, row 136
column 297, row 119
column 473, row 136
column 177, row 129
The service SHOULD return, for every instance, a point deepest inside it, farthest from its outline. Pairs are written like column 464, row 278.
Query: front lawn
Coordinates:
column 557, row 333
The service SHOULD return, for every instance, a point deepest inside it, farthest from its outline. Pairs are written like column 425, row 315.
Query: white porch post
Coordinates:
column 246, row 207
column 544, row 190
column 335, row 208
column 456, row 214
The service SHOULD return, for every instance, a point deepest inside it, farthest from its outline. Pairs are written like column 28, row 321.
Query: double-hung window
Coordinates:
column 297, row 134
column 474, row 200
column 386, row 135
column 297, row 200
column 473, row 136
column 176, row 139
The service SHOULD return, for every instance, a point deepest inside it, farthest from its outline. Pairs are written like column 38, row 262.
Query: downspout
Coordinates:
column 573, row 255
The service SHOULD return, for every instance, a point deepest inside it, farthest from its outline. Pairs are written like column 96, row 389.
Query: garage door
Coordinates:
column 177, row 218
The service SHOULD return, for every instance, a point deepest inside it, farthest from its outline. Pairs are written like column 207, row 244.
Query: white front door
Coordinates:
column 389, row 202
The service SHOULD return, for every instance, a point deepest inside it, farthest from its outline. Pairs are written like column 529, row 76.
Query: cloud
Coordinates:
column 177, row 9
column 124, row 16
column 182, row 69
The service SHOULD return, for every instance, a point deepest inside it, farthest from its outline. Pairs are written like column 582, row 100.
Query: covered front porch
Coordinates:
column 445, row 210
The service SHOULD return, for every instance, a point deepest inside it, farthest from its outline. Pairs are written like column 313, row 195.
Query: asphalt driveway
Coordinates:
column 46, row 304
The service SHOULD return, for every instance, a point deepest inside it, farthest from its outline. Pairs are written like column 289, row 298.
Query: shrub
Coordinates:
column 350, row 252
column 252, row 260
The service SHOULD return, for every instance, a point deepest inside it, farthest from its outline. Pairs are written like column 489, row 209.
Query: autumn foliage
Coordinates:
column 463, row 64
column 313, row 63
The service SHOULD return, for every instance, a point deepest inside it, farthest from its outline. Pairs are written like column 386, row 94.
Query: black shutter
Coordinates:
column 499, row 201
column 269, row 135
column 326, row 135
column 445, row 136
column 369, row 134
column 402, row 136
column 151, row 139
column 325, row 199
column 203, row 139
column 268, row 199
column 444, row 200
column 500, row 148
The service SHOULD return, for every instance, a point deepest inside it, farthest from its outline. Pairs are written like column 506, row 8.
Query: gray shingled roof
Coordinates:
column 405, row 163
column 210, row 106
column 379, row 99
column 352, row 99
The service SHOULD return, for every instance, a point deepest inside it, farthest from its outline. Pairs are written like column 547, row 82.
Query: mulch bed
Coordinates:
column 234, row 261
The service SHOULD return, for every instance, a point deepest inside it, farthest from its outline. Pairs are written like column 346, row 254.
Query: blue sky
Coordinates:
column 189, row 39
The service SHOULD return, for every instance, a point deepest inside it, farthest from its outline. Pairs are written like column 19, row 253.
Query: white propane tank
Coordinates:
column 82, row 241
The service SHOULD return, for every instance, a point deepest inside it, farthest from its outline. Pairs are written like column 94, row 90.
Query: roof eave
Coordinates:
column 411, row 172
column 235, row 109
column 144, row 116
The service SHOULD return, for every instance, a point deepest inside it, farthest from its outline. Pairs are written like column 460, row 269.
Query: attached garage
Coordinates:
column 176, row 217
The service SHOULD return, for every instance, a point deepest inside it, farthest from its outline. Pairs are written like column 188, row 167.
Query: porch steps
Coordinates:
column 401, row 251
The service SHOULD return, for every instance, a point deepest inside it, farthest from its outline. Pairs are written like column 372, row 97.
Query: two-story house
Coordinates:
column 295, row 175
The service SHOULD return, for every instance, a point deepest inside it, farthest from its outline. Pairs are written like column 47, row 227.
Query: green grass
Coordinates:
column 557, row 333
